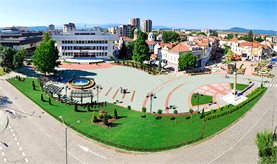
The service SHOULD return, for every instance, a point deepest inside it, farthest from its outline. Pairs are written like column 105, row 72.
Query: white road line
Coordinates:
column 1, row 148
column 3, row 153
column 20, row 148
column 17, row 143
column 13, row 134
column 26, row 160
column 23, row 154
column 10, row 127
column 5, row 159
column 59, row 145
column 261, row 118
column 273, row 85
column 11, row 130
column 270, row 85
column 15, row 138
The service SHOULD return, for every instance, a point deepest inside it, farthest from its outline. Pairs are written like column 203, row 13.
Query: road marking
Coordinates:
column 26, row 160
column 17, row 143
column 23, row 154
column 261, row 118
column 115, row 93
column 108, row 91
column 13, row 134
column 1, row 148
column 3, row 153
column 133, row 96
column 15, row 138
column 45, row 133
column 270, row 85
column 20, row 148
column 11, row 130
column 5, row 159
column 86, row 149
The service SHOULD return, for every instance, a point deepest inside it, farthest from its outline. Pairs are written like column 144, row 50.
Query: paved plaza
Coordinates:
column 171, row 90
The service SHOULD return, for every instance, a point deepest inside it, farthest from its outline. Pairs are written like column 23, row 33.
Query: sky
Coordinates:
column 198, row 14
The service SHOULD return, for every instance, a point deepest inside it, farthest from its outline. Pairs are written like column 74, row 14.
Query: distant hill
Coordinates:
column 161, row 27
column 255, row 31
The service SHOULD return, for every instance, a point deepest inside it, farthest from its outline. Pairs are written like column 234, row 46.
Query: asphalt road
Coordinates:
column 40, row 138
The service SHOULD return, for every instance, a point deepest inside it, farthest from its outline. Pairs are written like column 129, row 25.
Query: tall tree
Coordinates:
column 141, row 49
column 170, row 36
column 18, row 58
column 46, row 55
column 123, row 52
column 6, row 55
column 186, row 60
column 249, row 36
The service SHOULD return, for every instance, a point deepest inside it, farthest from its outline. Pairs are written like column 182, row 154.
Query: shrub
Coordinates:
column 143, row 109
column 76, row 107
column 105, row 119
column 188, row 117
column 143, row 116
column 160, row 111
column 49, row 101
column 175, row 112
column 115, row 114
column 265, row 144
column 41, row 97
column 173, row 118
column 202, row 114
column 158, row 118
column 129, row 107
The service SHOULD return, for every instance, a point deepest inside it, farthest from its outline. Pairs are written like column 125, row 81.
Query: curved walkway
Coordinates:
column 234, row 145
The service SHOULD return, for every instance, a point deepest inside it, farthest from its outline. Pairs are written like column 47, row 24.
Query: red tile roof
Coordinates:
column 181, row 47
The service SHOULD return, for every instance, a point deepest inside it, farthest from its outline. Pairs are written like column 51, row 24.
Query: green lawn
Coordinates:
column 239, row 87
column 2, row 71
column 203, row 99
column 133, row 132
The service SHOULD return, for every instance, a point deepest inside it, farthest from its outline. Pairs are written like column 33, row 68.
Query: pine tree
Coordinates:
column 141, row 49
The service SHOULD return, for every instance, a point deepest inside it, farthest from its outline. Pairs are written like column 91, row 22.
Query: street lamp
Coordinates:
column 97, row 87
column 198, row 95
column 151, row 96
column 66, row 127
column 262, row 84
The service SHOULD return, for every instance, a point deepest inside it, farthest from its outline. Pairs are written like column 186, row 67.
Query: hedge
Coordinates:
column 229, row 109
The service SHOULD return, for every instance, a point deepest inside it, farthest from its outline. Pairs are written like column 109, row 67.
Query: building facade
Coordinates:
column 85, row 44
column 69, row 27
column 17, row 38
column 146, row 25
column 135, row 22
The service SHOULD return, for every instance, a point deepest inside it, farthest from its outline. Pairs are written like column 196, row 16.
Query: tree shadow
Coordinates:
column 69, row 74
column 27, row 71
column 114, row 124
column 4, row 100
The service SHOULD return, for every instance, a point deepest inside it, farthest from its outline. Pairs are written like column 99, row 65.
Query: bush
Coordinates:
column 49, row 101
column 158, row 118
column 143, row 109
column 173, row 118
column 76, row 107
column 175, row 112
column 129, row 107
column 265, row 143
column 143, row 116
column 160, row 111
column 188, row 117
column 115, row 114
column 41, row 97
column 229, row 109
column 105, row 119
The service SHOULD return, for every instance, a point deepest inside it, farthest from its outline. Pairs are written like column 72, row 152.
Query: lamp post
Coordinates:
column 262, row 84
column 66, row 127
column 97, row 87
column 198, row 95
column 151, row 96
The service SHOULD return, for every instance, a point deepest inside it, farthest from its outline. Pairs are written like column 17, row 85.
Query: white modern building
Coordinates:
column 85, row 44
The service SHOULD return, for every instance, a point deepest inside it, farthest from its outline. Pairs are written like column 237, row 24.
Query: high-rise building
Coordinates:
column 146, row 25
column 69, row 27
column 124, row 30
column 51, row 27
column 135, row 22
